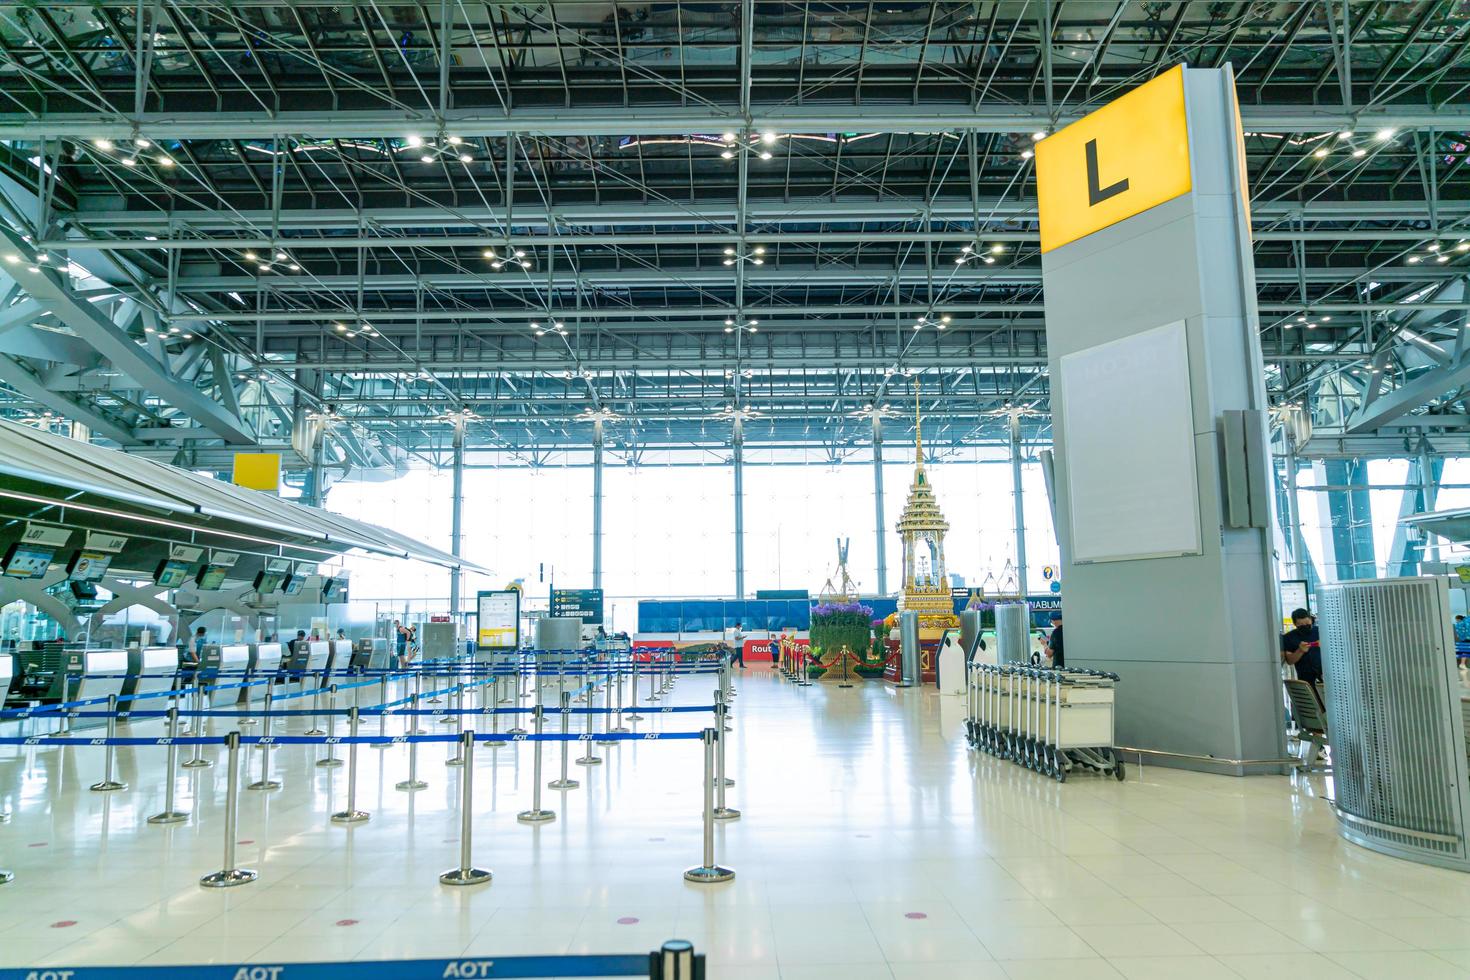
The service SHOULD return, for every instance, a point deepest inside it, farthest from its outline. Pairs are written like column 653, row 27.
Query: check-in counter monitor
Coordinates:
column 234, row 660
column 269, row 658
column 153, row 669
column 319, row 655
column 104, row 672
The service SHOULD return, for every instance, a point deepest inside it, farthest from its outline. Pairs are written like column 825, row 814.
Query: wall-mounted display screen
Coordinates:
column 88, row 566
column 27, row 560
column 171, row 573
column 267, row 582
column 211, row 577
column 85, row 591
column 293, row 583
column 332, row 587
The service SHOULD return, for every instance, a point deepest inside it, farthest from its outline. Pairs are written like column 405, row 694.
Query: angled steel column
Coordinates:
column 597, row 504
column 1020, row 507
column 880, row 537
column 456, row 520
column 738, row 461
column 1429, row 476
column 1296, row 545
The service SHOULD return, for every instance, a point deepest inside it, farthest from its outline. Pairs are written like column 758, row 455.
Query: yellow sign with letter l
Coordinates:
column 1125, row 158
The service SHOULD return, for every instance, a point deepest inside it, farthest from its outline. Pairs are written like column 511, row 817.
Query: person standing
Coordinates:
column 401, row 641
column 1301, row 647
column 737, row 640
column 1053, row 643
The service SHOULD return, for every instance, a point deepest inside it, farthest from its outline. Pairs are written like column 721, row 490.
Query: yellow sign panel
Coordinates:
column 258, row 471
column 1126, row 157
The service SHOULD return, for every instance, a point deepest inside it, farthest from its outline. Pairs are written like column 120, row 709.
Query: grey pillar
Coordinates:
column 1020, row 507
column 456, row 520
column 737, row 440
column 879, row 531
column 1430, row 490
column 1295, row 544
column 597, row 504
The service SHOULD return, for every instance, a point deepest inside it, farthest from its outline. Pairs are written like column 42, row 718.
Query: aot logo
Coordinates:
column 468, row 968
column 259, row 972
column 50, row 975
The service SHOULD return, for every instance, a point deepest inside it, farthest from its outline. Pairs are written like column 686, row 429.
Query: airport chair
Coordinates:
column 1311, row 721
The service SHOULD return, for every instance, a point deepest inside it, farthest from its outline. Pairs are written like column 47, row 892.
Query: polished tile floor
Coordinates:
column 873, row 845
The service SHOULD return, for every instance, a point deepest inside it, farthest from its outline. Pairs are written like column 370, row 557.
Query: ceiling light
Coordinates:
column 43, row 257
column 1320, row 153
column 265, row 267
column 426, row 158
column 1346, row 134
column 754, row 323
column 497, row 264
column 760, row 250
column 1326, row 318
column 1463, row 247
column 918, row 326
column 1311, row 326
column 166, row 161
column 280, row 256
column 944, row 319
column 1384, row 135
column 758, row 262
column 188, row 336
column 454, row 141
column 562, row 331
column 1442, row 258
column 147, row 329
column 1360, row 152
column 173, row 329
column 728, row 137
column 340, row 327
column 1286, row 326
column 768, row 137
column 558, row 324
column 250, row 256
column 12, row 258
column 997, row 249
column 1433, row 246
column 939, row 326
column 728, row 155
column 141, row 143
column 294, row 267
column 489, row 253
column 535, row 326
column 525, row 263
column 729, row 322
column 959, row 260
column 33, row 268
column 729, row 251
column 415, row 141
column 1301, row 319
column 466, row 158
column 765, row 154
column 967, row 249
column 1025, row 154
column 520, row 254
column 988, row 260
column 729, row 261
column 127, row 161
column 102, row 144
column 1038, row 136
column 1413, row 259
column 541, row 333
column 729, row 330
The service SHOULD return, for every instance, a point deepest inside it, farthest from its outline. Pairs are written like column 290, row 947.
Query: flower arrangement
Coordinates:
column 841, row 625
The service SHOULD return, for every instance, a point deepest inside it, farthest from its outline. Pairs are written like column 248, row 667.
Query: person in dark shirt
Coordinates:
column 1302, row 648
column 1054, row 642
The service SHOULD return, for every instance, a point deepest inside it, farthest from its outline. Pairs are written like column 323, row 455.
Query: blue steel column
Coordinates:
column 1349, row 538
column 456, row 520
column 1020, row 507
column 597, row 504
column 738, row 460
column 879, row 531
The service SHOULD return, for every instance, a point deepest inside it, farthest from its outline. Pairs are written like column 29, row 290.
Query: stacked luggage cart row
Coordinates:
column 1048, row 720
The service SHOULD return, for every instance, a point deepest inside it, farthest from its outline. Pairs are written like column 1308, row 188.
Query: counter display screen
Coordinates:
column 88, row 566
column 268, row 582
column 293, row 584
column 27, row 561
column 172, row 573
column 332, row 587
column 211, row 577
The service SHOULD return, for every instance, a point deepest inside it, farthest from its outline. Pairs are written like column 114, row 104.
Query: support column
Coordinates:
column 1020, row 507
column 597, row 504
column 1429, row 480
column 1347, row 542
column 880, row 535
column 456, row 520
column 737, row 439
column 1295, row 545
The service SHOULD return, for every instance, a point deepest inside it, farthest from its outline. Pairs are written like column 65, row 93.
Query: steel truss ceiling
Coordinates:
column 250, row 222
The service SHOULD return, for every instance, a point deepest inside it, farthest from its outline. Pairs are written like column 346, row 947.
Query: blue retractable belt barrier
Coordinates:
column 463, row 967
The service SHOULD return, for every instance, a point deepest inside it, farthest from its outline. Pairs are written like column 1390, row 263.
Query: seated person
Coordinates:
column 1301, row 647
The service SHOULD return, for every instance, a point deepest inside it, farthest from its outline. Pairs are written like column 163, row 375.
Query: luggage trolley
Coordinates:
column 1052, row 721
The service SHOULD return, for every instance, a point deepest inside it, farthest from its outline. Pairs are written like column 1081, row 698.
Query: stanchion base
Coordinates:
column 563, row 784
column 411, row 785
column 434, row 701
column 197, row 764
column 107, row 786
column 350, row 816
column 169, row 816
column 588, row 760
column 605, row 741
column 729, row 781
column 228, row 879
column 264, row 784
column 654, row 697
column 514, row 731
column 247, row 723
column 620, row 730
column 382, row 745
column 6, row 876
column 314, row 731
column 726, row 813
column 447, row 720
column 635, row 717
column 708, row 876
column 456, row 761
column 536, row 816
column 330, row 762
column 465, row 876
column 417, row 731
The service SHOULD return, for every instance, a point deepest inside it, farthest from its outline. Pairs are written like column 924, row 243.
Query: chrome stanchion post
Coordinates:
column 411, row 727
column 722, row 812
column 518, row 728
column 413, row 783
column 249, row 680
column 108, row 784
column 196, row 728
column 230, row 875
column 722, row 717
column 621, row 728
column 709, row 872
column 606, row 710
column 589, row 757
column 653, row 671
column 382, row 712
column 536, row 814
column 352, row 814
column 331, row 761
column 169, row 814
column 633, row 714
column 566, row 715
column 265, row 782
column 458, row 758
column 466, row 873
column 316, row 707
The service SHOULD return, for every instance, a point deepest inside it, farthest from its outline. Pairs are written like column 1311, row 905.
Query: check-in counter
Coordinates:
column 234, row 661
column 341, row 655
column 370, row 653
column 318, row 656
column 268, row 659
column 104, row 672
column 152, row 669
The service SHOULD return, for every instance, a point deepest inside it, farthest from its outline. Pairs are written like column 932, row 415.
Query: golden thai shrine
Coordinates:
column 926, row 589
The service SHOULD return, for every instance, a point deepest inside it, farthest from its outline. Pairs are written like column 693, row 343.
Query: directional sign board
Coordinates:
column 583, row 604
column 498, row 620
column 1126, row 157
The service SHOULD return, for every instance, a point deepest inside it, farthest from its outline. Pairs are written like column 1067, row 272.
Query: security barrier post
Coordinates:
column 196, row 727
column 518, row 728
column 536, row 814
column 316, row 707
column 245, row 720
column 411, row 726
column 265, row 782
column 382, row 712
column 331, row 761
column 722, row 812
column 108, row 784
column 621, row 729
column 633, row 714
column 352, row 814
column 566, row 714
column 169, row 814
column 457, row 759
column 466, row 873
column 589, row 756
column 413, row 783
column 606, row 710
column 709, row 872
column 230, row 875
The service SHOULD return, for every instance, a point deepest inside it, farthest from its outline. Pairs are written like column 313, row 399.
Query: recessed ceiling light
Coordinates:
column 765, row 154
column 1384, row 135
column 455, row 141
column 102, row 143
column 141, row 143
column 489, row 253
column 988, row 260
column 128, row 161
column 1346, row 134
column 1433, row 246
column 1413, row 259
column 466, row 158
column 1360, row 152
column 1025, row 154
column 1038, row 136
column 1320, row 153
column 728, row 137
column 415, row 141
column 426, row 158
column 166, row 161
column 251, row 256
column 997, row 249
column 728, row 155
column 768, row 137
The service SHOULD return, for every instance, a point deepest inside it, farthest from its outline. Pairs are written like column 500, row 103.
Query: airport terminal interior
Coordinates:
column 578, row 489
